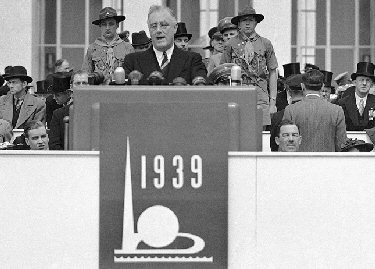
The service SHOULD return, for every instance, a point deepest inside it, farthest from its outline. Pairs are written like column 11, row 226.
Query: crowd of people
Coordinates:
column 303, row 111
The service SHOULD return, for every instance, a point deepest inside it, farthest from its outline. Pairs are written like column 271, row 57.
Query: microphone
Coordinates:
column 155, row 78
column 199, row 81
column 96, row 78
column 235, row 76
column 135, row 76
column 179, row 81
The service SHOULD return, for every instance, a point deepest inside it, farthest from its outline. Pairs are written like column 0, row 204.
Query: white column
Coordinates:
column 328, row 51
column 58, row 29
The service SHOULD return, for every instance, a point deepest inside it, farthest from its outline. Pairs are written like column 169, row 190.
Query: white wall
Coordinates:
column 276, row 26
column 16, row 33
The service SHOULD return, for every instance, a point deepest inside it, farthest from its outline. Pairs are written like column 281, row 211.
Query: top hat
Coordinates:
column 181, row 31
column 140, row 38
column 365, row 69
column 327, row 78
column 18, row 72
column 361, row 145
column 247, row 11
column 61, row 82
column 309, row 66
column 225, row 24
column 107, row 13
column 41, row 86
column 291, row 69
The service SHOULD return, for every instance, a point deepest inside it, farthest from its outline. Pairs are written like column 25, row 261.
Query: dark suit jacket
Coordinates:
column 57, row 127
column 185, row 64
column 354, row 122
column 321, row 124
column 4, row 90
column 33, row 108
column 275, row 121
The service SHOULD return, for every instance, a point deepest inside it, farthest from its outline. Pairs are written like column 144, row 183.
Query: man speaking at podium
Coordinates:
column 163, row 56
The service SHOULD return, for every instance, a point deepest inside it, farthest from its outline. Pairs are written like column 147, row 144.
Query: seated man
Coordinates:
column 36, row 136
column 164, row 56
column 287, row 136
column 19, row 107
column 57, row 126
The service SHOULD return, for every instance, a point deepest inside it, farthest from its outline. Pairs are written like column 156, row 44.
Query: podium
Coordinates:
column 245, row 120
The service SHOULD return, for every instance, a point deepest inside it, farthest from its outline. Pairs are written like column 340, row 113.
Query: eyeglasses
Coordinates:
column 163, row 26
column 77, row 83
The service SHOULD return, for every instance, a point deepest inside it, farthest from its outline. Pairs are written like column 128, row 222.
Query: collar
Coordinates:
column 313, row 94
column 159, row 54
column 251, row 38
column 102, row 42
column 358, row 99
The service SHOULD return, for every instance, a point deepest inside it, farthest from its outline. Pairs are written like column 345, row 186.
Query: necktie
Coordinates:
column 19, row 104
column 361, row 107
column 165, row 61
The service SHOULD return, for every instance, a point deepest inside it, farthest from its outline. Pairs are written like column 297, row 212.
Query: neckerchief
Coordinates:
column 110, row 56
column 249, row 48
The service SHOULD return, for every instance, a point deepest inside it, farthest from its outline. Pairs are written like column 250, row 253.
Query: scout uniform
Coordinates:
column 103, row 57
column 255, row 55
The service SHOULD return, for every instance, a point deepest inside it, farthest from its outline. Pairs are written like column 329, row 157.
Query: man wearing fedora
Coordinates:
column 182, row 37
column 359, row 107
column 163, row 56
column 140, row 41
column 256, row 55
column 19, row 107
column 65, row 84
column 109, row 50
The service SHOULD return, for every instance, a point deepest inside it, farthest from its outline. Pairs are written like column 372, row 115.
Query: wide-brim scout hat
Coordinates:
column 247, row 11
column 140, row 38
column 365, row 69
column 361, row 145
column 61, row 82
column 18, row 71
column 226, row 24
column 291, row 69
column 182, row 31
column 108, row 13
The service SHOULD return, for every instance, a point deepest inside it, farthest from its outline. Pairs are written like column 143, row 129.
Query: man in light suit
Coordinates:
column 359, row 106
column 19, row 107
column 322, row 124
column 163, row 56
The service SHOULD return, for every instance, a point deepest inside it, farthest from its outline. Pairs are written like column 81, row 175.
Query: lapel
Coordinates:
column 6, row 110
column 353, row 112
column 149, row 66
column 176, row 64
column 370, row 104
column 27, row 109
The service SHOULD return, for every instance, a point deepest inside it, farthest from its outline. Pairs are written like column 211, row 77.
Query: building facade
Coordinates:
column 333, row 34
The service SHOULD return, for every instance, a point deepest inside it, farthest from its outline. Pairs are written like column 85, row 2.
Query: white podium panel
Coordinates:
column 49, row 210
column 285, row 210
